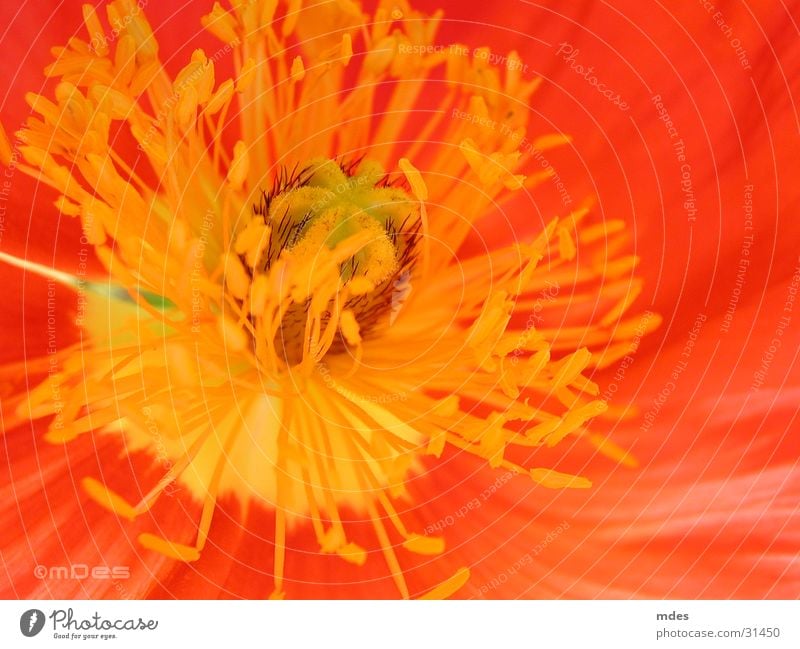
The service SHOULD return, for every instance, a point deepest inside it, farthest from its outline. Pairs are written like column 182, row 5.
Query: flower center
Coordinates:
column 351, row 219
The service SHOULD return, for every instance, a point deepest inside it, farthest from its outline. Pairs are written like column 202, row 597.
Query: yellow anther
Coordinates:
column 103, row 496
column 447, row 407
column 566, row 246
column 353, row 553
column 246, row 76
column 571, row 367
column 237, row 173
column 424, row 544
column 236, row 278
column 360, row 285
column 557, row 480
column 186, row 109
column 221, row 97
column 380, row 57
column 6, row 151
column 349, row 327
column 437, row 443
column 233, row 336
column 449, row 587
column 298, row 71
column 169, row 549
column 346, row 49
column 220, row 23
column 259, row 294
column 551, row 141
column 97, row 36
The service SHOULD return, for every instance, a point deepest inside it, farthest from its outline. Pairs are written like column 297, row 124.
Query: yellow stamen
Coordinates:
column 557, row 480
column 237, row 173
column 450, row 587
column 168, row 548
column 108, row 499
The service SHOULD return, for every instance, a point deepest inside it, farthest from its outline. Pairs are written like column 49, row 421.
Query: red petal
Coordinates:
column 712, row 512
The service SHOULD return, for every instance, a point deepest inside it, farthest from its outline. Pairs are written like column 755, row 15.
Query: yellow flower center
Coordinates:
column 302, row 220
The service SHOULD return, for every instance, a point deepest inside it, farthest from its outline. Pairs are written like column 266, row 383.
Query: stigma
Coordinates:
column 345, row 231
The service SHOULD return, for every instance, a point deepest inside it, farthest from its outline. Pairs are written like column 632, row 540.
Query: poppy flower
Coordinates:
column 344, row 301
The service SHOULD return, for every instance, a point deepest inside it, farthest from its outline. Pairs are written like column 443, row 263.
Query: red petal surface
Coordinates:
column 711, row 512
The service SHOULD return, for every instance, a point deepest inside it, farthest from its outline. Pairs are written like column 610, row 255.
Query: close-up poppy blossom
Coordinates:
column 329, row 300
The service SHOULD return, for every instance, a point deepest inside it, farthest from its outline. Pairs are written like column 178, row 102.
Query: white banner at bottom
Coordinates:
column 399, row 625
